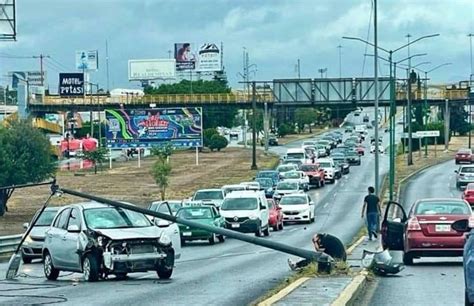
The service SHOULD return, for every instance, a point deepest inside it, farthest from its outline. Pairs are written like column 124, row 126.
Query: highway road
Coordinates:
column 230, row 273
column 431, row 281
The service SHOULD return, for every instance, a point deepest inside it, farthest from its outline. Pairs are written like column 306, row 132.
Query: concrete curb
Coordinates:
column 352, row 290
column 284, row 292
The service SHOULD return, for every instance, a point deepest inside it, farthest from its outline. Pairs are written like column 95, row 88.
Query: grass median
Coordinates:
column 127, row 182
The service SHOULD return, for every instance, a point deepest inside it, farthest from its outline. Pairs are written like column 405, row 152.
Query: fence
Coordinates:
column 8, row 244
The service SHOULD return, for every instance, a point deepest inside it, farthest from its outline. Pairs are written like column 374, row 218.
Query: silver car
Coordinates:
column 33, row 245
column 98, row 240
column 464, row 176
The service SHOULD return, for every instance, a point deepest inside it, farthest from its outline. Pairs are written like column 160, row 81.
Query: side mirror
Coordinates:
column 73, row 228
column 311, row 203
column 456, row 171
column 25, row 225
column 461, row 226
column 162, row 223
column 263, row 207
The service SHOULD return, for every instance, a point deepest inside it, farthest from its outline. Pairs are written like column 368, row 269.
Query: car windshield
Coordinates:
column 46, row 218
column 285, row 168
column 467, row 169
column 295, row 155
column 291, row 200
column 287, row 186
column 163, row 208
column 291, row 175
column 266, row 174
column 325, row 164
column 111, row 217
column 309, row 168
column 264, row 182
column 442, row 208
column 239, row 204
column 208, row 195
column 195, row 213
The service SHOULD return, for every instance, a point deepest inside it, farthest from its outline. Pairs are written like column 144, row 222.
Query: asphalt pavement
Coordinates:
column 431, row 281
column 230, row 273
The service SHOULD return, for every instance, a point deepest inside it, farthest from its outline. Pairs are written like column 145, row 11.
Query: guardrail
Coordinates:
column 8, row 244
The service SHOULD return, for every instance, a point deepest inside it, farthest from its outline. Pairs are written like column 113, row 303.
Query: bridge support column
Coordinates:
column 22, row 98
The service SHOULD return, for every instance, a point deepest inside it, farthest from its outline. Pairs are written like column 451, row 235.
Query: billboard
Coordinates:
column 151, row 69
column 87, row 60
column 184, row 56
column 33, row 78
column 126, row 128
column 209, row 58
column 71, row 84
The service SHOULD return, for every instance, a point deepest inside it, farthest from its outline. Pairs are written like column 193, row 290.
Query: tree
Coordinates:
column 207, row 135
column 218, row 142
column 161, row 169
column 304, row 116
column 458, row 119
column 97, row 156
column 284, row 129
column 259, row 118
column 25, row 157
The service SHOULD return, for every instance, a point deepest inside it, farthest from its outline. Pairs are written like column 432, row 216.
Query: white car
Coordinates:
column 251, row 185
column 247, row 212
column 297, row 208
column 298, row 176
column 286, row 167
column 331, row 172
column 286, row 187
column 98, row 240
column 209, row 196
column 381, row 148
column 308, row 143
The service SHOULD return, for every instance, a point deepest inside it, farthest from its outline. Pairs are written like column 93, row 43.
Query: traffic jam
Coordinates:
column 107, row 240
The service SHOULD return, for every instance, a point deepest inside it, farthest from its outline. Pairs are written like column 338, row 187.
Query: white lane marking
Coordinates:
column 326, row 205
column 334, row 195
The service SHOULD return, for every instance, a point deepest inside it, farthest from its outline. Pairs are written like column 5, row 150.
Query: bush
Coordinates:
column 284, row 130
column 207, row 136
column 218, row 142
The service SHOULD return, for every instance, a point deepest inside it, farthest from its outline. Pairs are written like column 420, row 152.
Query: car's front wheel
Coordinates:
column 90, row 268
column 266, row 231
column 221, row 238
column 164, row 272
column 50, row 271
column 281, row 226
column 466, row 299
column 212, row 239
column 26, row 259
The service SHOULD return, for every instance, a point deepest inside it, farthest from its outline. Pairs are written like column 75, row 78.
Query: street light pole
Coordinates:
column 470, row 85
column 340, row 60
column 376, row 112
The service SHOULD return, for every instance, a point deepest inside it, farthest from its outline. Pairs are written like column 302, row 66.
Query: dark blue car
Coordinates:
column 463, row 226
column 272, row 174
column 266, row 184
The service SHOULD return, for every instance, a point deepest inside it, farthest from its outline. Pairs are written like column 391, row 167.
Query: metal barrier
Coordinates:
column 8, row 244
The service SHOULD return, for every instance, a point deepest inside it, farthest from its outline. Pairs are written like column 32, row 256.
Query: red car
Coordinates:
column 315, row 174
column 275, row 217
column 463, row 156
column 468, row 194
column 360, row 149
column 426, row 232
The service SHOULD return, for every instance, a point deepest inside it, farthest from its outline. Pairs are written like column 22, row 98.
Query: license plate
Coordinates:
column 443, row 227
column 187, row 233
column 235, row 225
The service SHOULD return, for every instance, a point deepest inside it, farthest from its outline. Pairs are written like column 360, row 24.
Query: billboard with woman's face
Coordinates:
column 185, row 57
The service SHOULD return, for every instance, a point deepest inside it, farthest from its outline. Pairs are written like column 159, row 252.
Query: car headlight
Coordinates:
column 28, row 239
column 164, row 239
column 102, row 241
column 253, row 217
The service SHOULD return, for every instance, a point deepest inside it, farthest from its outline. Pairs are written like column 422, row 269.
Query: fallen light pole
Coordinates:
column 307, row 254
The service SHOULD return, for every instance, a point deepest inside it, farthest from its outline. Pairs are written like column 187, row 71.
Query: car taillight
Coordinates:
column 413, row 224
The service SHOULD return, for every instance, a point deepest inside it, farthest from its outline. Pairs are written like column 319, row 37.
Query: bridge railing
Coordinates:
column 441, row 94
column 219, row 98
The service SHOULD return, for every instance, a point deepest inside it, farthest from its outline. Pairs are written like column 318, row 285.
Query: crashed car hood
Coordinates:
column 131, row 233
column 39, row 232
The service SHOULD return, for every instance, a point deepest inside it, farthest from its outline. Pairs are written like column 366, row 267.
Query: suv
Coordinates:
column 465, row 175
column 331, row 173
column 273, row 174
column 247, row 212
column 315, row 175
column 353, row 158
column 97, row 240
column 210, row 196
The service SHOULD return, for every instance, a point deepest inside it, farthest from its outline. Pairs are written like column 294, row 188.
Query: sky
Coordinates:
column 276, row 33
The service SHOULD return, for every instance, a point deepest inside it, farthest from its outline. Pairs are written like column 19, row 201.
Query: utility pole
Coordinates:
column 340, row 60
column 41, row 57
column 107, row 64
column 376, row 113
column 446, row 125
column 470, row 86
column 298, row 68
column 410, row 148
column 254, row 127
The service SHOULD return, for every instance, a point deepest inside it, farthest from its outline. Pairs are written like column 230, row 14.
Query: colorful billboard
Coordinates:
column 184, row 56
column 151, row 69
column 209, row 58
column 87, row 60
column 129, row 128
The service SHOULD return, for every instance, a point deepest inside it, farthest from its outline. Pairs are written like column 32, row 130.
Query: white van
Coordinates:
column 247, row 212
column 298, row 153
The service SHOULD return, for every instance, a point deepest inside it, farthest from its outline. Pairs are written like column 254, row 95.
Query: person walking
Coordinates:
column 371, row 209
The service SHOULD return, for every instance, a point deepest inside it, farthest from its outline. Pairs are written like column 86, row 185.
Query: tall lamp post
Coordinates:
column 392, row 102
column 470, row 35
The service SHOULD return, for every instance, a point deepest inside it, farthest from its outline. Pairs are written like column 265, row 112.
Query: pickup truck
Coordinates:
column 315, row 175
column 331, row 172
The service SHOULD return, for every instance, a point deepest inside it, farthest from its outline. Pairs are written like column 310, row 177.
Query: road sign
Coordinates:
column 413, row 135
column 428, row 133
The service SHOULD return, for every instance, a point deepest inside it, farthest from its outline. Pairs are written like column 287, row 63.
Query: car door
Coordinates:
column 56, row 239
column 265, row 214
column 393, row 229
column 70, row 241
column 311, row 206
column 172, row 230
column 469, row 264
